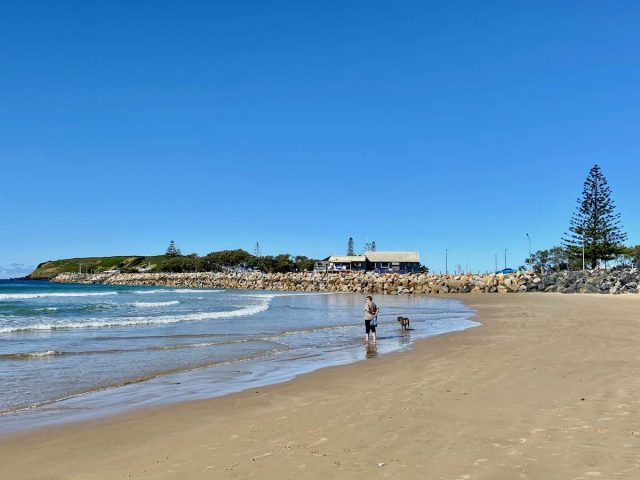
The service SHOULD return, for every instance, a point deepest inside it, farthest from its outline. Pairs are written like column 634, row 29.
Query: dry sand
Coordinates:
column 547, row 388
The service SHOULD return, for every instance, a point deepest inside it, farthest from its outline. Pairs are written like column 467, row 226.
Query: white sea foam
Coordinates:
column 29, row 355
column 21, row 296
column 48, row 353
column 274, row 295
column 139, row 321
column 196, row 290
column 172, row 290
column 154, row 304
column 146, row 292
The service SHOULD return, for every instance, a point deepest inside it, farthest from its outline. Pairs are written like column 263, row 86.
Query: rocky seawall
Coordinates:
column 614, row 282
column 392, row 284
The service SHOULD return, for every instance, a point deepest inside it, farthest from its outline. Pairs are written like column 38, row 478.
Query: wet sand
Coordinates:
column 547, row 388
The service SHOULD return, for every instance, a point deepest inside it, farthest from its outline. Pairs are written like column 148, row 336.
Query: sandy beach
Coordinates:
column 547, row 388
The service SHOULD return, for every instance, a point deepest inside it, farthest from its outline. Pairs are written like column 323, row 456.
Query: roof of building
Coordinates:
column 346, row 258
column 405, row 257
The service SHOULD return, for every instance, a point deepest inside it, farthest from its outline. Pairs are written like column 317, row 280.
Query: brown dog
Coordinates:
column 404, row 323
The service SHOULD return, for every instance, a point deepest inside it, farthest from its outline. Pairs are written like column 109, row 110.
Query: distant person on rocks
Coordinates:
column 371, row 311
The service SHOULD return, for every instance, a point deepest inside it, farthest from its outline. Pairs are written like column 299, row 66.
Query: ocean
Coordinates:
column 71, row 352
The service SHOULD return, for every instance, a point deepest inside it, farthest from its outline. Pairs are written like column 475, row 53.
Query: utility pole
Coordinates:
column 505, row 258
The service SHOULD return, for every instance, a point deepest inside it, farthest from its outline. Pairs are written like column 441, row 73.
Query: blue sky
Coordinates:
column 420, row 125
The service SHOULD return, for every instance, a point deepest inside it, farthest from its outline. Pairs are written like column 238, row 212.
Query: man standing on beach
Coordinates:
column 370, row 319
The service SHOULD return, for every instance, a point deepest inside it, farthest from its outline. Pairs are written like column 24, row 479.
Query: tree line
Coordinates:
column 234, row 260
column 368, row 247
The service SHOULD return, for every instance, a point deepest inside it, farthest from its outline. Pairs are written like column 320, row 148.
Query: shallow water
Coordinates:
column 79, row 351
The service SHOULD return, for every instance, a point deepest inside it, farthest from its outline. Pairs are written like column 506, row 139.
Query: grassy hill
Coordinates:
column 224, row 260
column 50, row 269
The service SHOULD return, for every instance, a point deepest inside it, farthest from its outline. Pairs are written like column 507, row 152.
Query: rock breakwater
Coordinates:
column 615, row 281
column 348, row 282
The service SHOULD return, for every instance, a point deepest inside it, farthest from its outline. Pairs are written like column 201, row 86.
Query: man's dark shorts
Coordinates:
column 368, row 328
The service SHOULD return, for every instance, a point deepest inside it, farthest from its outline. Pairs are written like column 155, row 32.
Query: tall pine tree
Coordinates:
column 595, row 223
column 350, row 247
column 172, row 251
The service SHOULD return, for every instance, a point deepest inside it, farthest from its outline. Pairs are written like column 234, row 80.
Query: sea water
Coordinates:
column 79, row 351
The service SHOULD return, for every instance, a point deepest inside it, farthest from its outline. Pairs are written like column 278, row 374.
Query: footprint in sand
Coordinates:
column 518, row 440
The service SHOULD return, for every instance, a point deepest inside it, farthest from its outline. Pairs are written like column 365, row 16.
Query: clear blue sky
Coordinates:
column 420, row 125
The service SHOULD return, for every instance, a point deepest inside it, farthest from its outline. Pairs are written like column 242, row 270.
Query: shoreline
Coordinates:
column 222, row 375
column 521, row 396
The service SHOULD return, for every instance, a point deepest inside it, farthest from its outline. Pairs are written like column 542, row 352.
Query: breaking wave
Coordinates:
column 29, row 355
column 154, row 304
column 140, row 321
column 170, row 290
column 20, row 296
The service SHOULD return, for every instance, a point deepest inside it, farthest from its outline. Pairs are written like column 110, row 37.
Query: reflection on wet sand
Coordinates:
column 372, row 351
column 405, row 338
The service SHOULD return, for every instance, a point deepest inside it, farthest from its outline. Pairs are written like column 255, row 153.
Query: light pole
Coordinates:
column 446, row 261
column 529, row 238
column 583, row 269
column 505, row 258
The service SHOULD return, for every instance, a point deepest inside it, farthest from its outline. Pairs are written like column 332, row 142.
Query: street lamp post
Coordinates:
column 505, row 258
column 583, row 269
column 446, row 261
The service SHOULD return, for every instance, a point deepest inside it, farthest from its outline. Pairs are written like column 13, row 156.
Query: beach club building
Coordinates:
column 380, row 262
column 352, row 263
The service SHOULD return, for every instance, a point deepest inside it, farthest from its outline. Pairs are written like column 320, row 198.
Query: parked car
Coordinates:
column 506, row 270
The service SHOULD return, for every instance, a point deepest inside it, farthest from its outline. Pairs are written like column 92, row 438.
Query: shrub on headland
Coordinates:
column 237, row 260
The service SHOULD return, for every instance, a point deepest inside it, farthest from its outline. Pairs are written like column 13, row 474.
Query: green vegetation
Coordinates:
column 131, row 263
column 370, row 247
column 631, row 255
column 172, row 251
column 595, row 229
column 595, row 234
column 350, row 252
column 238, row 260
column 552, row 260
column 226, row 260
